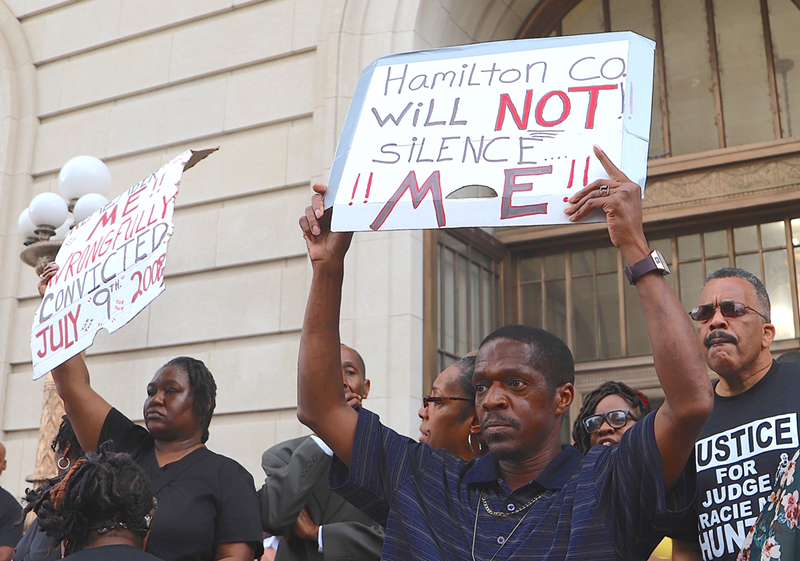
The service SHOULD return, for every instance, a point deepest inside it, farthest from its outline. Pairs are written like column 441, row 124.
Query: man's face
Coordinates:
column 732, row 345
column 353, row 373
column 444, row 423
column 517, row 409
column 2, row 458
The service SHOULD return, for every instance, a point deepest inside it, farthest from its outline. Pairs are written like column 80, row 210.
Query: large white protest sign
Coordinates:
column 494, row 134
column 111, row 267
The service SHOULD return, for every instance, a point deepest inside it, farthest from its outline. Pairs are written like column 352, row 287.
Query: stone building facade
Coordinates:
column 135, row 82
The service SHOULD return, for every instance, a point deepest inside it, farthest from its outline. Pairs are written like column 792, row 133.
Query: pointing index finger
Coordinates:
column 612, row 170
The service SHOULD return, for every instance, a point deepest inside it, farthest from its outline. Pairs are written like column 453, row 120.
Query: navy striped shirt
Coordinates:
column 609, row 505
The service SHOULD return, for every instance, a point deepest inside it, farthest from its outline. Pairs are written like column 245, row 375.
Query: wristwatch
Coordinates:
column 653, row 262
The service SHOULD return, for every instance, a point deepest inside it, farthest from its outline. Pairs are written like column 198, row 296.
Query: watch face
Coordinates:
column 660, row 262
column 653, row 262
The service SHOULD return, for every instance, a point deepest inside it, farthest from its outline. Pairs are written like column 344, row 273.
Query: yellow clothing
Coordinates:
column 663, row 550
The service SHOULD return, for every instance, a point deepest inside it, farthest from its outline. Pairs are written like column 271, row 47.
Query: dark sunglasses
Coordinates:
column 438, row 399
column 616, row 419
column 729, row 309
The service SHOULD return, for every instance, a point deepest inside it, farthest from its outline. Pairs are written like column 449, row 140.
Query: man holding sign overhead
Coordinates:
column 528, row 498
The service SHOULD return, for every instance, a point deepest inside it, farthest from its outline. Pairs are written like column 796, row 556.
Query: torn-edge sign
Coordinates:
column 111, row 267
column 493, row 134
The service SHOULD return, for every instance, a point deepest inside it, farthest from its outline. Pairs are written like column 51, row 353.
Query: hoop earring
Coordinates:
column 479, row 451
column 66, row 467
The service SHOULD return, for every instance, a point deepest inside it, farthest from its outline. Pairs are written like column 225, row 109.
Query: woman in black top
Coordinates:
column 208, row 510
column 100, row 509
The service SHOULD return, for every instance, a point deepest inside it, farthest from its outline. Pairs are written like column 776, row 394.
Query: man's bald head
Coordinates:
column 2, row 458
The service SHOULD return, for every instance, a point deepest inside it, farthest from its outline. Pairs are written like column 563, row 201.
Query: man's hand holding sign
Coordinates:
column 494, row 134
column 525, row 498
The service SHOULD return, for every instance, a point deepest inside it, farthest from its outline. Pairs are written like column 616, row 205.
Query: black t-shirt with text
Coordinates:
column 738, row 455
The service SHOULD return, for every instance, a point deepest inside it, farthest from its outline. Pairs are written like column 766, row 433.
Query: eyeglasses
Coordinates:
column 729, row 309
column 617, row 419
column 438, row 399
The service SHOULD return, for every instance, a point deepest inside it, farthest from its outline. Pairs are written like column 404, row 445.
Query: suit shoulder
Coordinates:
column 285, row 448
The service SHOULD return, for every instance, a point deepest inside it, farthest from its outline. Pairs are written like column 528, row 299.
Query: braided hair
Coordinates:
column 65, row 437
column 638, row 402
column 204, row 389
column 100, row 494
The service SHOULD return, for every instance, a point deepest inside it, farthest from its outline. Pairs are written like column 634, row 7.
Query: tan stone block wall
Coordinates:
column 136, row 82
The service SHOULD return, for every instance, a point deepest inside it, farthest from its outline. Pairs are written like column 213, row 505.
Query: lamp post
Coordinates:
column 83, row 182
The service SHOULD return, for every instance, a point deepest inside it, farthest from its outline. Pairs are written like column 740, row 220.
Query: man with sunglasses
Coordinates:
column 527, row 498
column 756, row 402
column 296, row 502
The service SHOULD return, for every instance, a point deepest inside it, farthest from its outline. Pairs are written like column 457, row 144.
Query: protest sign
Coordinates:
column 494, row 134
column 111, row 267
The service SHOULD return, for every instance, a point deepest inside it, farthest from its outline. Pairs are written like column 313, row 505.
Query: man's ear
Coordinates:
column 366, row 389
column 564, row 396
column 768, row 335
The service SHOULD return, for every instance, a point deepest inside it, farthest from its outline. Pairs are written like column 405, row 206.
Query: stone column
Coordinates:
column 52, row 411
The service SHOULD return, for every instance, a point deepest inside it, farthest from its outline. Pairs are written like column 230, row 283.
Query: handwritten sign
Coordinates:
column 495, row 134
column 111, row 267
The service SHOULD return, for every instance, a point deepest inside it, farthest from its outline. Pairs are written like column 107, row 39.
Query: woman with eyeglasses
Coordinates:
column 449, row 420
column 607, row 413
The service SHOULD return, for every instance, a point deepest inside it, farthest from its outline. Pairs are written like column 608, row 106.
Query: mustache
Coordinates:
column 719, row 335
column 492, row 418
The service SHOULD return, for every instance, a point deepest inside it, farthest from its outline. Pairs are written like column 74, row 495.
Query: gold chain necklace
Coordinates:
column 500, row 514
column 507, row 514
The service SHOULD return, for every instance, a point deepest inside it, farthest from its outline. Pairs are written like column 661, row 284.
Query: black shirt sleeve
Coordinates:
column 126, row 436
column 10, row 512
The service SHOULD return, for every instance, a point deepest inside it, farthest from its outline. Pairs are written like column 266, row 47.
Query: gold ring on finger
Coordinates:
column 605, row 190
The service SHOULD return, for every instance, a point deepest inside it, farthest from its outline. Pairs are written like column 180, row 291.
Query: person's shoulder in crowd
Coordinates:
column 7, row 500
column 285, row 447
column 227, row 467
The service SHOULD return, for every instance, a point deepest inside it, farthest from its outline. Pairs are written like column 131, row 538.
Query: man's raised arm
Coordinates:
column 677, row 355
column 321, row 404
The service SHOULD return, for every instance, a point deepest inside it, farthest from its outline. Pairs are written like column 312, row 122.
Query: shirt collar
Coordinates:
column 554, row 476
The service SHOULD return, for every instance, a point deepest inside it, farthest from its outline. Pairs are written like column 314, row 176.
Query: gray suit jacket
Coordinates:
column 297, row 477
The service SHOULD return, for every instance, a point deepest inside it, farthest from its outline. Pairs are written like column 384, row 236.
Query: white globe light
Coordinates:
column 87, row 205
column 48, row 209
column 61, row 233
column 83, row 175
column 26, row 228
